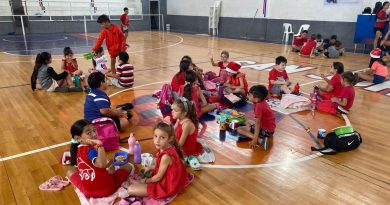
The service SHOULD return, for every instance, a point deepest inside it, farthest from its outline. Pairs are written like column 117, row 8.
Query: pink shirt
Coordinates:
column 380, row 69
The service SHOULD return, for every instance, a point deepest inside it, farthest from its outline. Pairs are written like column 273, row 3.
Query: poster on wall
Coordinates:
column 340, row 2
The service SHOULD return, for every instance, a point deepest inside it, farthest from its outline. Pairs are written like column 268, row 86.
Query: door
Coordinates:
column 154, row 19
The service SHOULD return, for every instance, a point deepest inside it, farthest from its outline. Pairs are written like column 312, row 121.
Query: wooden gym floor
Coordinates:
column 35, row 128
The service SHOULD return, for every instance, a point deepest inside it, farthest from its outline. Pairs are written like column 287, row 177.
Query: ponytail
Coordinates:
column 350, row 78
column 76, row 130
column 74, row 147
column 190, row 78
column 178, row 149
column 41, row 59
column 189, row 107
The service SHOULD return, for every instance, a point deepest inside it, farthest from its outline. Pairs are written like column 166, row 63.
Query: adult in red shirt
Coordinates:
column 264, row 125
column 333, row 86
column 115, row 41
column 381, row 19
column 308, row 47
column 125, row 23
column 299, row 41
column 344, row 101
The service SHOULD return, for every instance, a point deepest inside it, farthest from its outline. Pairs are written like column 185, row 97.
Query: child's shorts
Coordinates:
column 53, row 86
column 117, row 122
column 378, row 79
column 276, row 89
column 115, row 82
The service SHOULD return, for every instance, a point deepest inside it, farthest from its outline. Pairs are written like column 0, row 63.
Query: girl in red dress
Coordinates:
column 92, row 177
column 221, row 78
column 169, row 175
column 236, row 81
column 192, row 91
column 186, row 126
column 179, row 78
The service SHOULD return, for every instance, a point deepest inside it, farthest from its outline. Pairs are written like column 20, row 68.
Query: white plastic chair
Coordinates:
column 302, row 28
column 287, row 31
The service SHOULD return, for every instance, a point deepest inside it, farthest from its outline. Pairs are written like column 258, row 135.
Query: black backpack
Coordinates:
column 340, row 143
column 367, row 10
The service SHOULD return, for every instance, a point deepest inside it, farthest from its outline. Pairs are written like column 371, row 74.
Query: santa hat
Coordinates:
column 376, row 53
column 233, row 67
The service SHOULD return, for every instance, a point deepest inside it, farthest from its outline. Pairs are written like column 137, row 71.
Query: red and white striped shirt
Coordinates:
column 126, row 76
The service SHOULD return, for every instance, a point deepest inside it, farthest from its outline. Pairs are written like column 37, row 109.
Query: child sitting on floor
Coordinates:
column 319, row 44
column 343, row 102
column 186, row 126
column 333, row 86
column 278, row 78
column 124, row 76
column 179, row 78
column 48, row 77
column 99, row 62
column 236, row 81
column 377, row 74
column 309, row 46
column 221, row 78
column 198, row 71
column 69, row 63
column 169, row 175
column 191, row 91
column 87, row 152
column 299, row 41
column 264, row 125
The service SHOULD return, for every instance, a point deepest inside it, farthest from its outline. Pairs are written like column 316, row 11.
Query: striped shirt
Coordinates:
column 126, row 76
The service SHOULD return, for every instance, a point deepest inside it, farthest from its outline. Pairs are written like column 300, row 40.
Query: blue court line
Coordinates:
column 308, row 131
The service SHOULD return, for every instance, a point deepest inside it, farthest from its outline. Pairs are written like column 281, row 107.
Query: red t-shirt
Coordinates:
column 380, row 16
column 68, row 66
column 266, row 116
column 348, row 92
column 124, row 20
column 306, row 48
column 299, row 41
column 276, row 75
column 236, row 81
column 335, row 81
column 115, row 41
column 177, row 81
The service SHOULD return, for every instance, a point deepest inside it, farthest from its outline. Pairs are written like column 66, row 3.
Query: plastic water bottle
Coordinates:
column 296, row 88
column 220, row 91
column 76, row 81
column 131, row 142
column 137, row 153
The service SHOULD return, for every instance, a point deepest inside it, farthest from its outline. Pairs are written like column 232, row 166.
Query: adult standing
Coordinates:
column 115, row 41
column 125, row 23
column 381, row 19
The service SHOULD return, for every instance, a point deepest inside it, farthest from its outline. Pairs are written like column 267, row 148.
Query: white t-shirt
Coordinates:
column 101, row 64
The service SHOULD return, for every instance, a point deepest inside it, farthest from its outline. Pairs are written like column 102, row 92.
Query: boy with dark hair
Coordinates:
column 115, row 41
column 125, row 23
column 278, row 78
column 264, row 125
column 97, row 103
column 124, row 77
column 299, row 41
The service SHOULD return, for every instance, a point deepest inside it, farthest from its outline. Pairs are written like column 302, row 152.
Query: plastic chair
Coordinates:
column 302, row 28
column 287, row 31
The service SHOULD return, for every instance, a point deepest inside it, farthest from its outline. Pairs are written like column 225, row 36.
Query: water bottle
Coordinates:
column 131, row 142
column 220, row 91
column 137, row 153
column 296, row 88
column 76, row 81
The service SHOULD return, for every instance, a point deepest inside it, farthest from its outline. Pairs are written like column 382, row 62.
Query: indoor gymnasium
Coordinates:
column 194, row 102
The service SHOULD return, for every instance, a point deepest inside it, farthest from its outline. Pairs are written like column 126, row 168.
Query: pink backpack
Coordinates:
column 210, row 75
column 107, row 133
column 166, row 96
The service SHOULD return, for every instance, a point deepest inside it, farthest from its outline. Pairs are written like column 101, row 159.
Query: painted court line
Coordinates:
column 33, row 151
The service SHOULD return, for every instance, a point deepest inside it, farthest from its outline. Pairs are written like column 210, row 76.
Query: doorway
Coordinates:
column 154, row 11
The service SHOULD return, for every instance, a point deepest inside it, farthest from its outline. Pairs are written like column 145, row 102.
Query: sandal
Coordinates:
column 193, row 162
column 55, row 183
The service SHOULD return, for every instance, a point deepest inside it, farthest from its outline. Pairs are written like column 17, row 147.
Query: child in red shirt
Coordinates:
column 191, row 91
column 169, row 175
column 115, row 41
column 264, row 126
column 92, row 178
column 309, row 46
column 299, row 41
column 236, row 81
column 178, row 79
column 125, row 23
column 186, row 126
column 333, row 87
column 344, row 101
column 69, row 63
column 222, row 75
column 278, row 78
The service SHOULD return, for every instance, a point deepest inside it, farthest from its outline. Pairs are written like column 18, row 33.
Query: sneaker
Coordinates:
column 126, row 106
column 193, row 162
column 264, row 143
column 342, row 110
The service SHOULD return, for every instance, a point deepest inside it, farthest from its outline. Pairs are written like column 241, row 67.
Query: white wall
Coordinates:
column 277, row 9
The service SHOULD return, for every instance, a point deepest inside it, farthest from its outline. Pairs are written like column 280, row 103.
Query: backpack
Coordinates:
column 340, row 143
column 107, row 133
column 367, row 10
column 165, row 99
column 209, row 75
